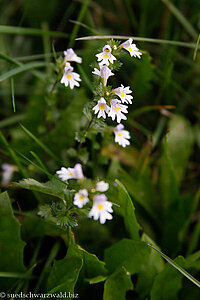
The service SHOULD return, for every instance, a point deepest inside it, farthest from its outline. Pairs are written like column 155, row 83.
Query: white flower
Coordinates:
column 81, row 198
column 7, row 174
column 101, row 209
column 117, row 109
column 102, row 186
column 104, row 73
column 105, row 57
column 121, row 136
column 71, row 173
column 123, row 92
column 70, row 77
column 131, row 48
column 101, row 108
column 70, row 55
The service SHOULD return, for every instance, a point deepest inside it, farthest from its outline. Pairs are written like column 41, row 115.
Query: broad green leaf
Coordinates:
column 133, row 255
column 23, row 68
column 177, row 266
column 117, row 285
column 11, row 244
column 180, row 141
column 126, row 210
column 53, row 187
column 64, row 275
column 154, row 266
column 168, row 283
column 92, row 266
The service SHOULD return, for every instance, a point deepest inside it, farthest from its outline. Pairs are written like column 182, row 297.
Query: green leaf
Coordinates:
column 30, row 31
column 154, row 266
column 177, row 266
column 142, row 190
column 168, row 283
column 92, row 266
column 117, row 285
column 11, row 244
column 133, row 255
column 53, row 187
column 23, row 68
column 64, row 275
column 180, row 141
column 126, row 209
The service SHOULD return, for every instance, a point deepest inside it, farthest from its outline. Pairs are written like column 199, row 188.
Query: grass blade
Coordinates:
column 21, row 69
column 181, row 18
column 41, row 164
column 30, row 31
column 9, row 59
column 176, row 266
column 139, row 39
column 4, row 142
column 196, row 48
column 12, row 120
column 13, row 93
column 77, row 25
column 33, row 137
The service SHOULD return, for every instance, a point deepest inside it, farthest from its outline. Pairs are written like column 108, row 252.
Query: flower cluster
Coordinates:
column 69, row 77
column 114, row 106
column 101, row 208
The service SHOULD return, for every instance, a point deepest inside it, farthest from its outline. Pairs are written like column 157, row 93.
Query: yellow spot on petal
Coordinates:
column 119, row 134
column 100, row 206
column 81, row 197
column 130, row 49
column 70, row 174
column 122, row 94
column 69, row 76
column 105, row 56
column 116, row 109
column 101, row 106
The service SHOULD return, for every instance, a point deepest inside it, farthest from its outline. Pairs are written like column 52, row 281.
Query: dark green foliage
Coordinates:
column 153, row 183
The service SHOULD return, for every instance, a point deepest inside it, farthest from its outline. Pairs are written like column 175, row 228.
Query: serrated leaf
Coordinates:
column 133, row 255
column 53, row 187
column 11, row 244
column 117, row 285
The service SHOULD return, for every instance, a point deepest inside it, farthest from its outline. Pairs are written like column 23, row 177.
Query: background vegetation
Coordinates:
column 160, row 170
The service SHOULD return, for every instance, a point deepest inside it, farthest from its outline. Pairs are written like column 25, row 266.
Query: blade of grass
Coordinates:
column 4, row 142
column 9, row 59
column 52, row 255
column 45, row 148
column 85, row 78
column 26, row 159
column 176, row 266
column 140, row 127
column 30, row 31
column 22, row 68
column 41, row 163
column 196, row 48
column 139, row 39
column 181, row 18
column 12, row 120
column 84, row 26
column 79, row 19
column 15, row 275
column 148, row 108
column 13, row 93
